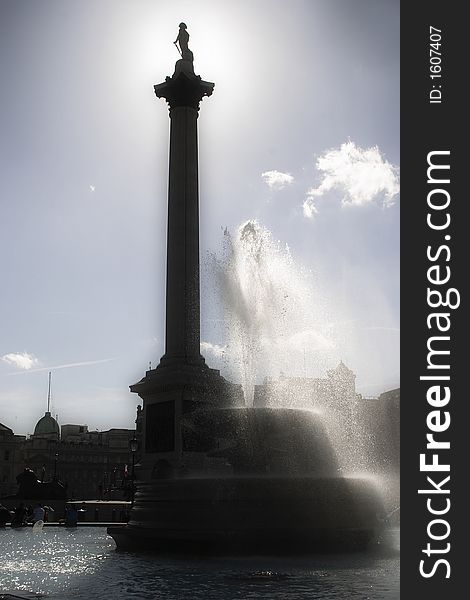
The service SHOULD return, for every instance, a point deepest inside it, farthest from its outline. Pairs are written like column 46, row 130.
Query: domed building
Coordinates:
column 47, row 428
column 93, row 464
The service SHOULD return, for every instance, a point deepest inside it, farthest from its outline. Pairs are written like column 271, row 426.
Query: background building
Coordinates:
column 11, row 459
column 380, row 418
column 92, row 464
column 365, row 431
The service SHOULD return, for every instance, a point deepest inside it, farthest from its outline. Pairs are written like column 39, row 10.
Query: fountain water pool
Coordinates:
column 81, row 564
column 253, row 479
column 256, row 498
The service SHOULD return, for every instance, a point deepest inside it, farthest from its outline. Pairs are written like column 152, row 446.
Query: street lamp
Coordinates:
column 55, row 465
column 133, row 446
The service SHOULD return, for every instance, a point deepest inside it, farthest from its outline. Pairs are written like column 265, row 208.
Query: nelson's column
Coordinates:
column 182, row 381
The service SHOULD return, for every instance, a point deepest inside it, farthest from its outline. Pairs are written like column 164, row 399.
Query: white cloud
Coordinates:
column 214, row 349
column 92, row 188
column 22, row 360
column 363, row 175
column 310, row 210
column 56, row 367
column 277, row 180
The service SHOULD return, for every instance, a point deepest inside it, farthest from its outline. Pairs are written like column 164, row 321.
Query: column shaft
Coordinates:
column 182, row 291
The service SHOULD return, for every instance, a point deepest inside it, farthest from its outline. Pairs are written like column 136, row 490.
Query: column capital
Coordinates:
column 184, row 88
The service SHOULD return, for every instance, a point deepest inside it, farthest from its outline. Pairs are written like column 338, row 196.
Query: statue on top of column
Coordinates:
column 182, row 40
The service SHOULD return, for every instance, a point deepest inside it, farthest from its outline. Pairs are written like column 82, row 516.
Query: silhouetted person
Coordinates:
column 19, row 518
column 5, row 516
column 71, row 516
column 182, row 40
column 48, row 514
column 38, row 513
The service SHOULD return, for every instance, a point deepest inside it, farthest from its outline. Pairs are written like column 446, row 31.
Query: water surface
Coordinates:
column 83, row 563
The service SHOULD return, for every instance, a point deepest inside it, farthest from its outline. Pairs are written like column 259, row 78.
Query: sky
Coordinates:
column 301, row 135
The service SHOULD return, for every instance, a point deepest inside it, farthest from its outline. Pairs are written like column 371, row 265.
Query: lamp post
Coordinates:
column 56, row 457
column 133, row 446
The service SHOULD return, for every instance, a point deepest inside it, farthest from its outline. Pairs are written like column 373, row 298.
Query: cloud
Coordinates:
column 363, row 175
column 65, row 366
column 277, row 180
column 92, row 188
column 214, row 349
column 310, row 210
column 22, row 360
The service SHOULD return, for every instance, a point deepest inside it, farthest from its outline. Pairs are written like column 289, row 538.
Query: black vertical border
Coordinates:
column 426, row 127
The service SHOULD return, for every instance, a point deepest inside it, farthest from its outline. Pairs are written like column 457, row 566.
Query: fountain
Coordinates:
column 218, row 475
column 274, row 313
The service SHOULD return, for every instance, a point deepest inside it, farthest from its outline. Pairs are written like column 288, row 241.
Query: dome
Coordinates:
column 47, row 426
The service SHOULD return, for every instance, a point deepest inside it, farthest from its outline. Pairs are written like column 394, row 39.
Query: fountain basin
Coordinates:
column 250, row 481
column 249, row 515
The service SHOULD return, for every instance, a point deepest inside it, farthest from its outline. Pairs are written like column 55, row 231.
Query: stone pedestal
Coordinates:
column 169, row 392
